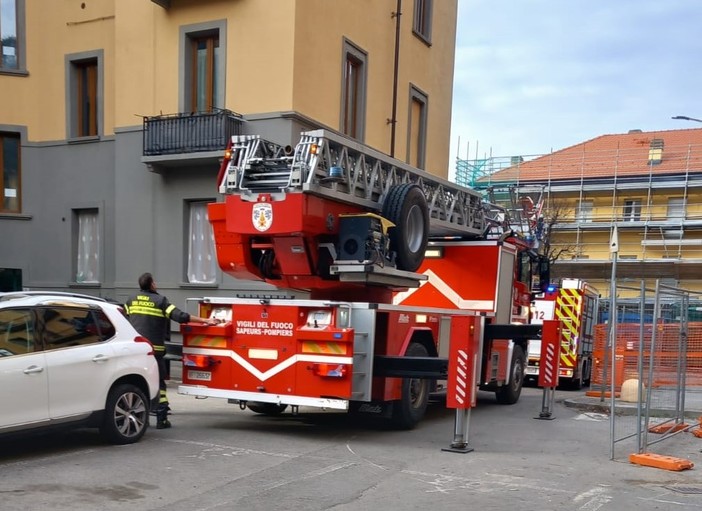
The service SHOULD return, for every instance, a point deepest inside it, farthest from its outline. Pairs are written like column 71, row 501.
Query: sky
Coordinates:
column 532, row 76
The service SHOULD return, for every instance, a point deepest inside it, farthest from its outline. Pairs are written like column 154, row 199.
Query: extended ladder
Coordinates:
column 329, row 165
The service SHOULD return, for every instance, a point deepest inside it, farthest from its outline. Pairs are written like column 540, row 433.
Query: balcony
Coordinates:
column 188, row 139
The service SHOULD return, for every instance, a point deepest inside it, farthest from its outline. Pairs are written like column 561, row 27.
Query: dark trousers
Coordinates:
column 162, row 406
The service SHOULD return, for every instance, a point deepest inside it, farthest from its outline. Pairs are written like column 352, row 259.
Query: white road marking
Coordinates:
column 364, row 459
column 597, row 417
column 597, row 498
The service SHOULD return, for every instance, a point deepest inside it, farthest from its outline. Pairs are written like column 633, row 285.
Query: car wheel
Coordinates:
column 126, row 415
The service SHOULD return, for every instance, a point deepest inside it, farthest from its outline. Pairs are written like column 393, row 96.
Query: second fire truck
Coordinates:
column 575, row 303
column 379, row 268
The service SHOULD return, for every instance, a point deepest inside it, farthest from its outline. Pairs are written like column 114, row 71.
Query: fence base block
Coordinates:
column 660, row 461
column 697, row 433
column 662, row 429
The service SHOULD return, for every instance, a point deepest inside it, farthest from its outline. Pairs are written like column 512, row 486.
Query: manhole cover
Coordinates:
column 686, row 489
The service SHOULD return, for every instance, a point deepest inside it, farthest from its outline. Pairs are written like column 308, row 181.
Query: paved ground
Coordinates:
column 218, row 458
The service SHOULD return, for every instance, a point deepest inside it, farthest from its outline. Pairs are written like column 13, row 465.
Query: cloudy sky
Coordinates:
column 533, row 76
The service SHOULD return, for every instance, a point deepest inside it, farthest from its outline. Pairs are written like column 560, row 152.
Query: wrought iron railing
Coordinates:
column 190, row 133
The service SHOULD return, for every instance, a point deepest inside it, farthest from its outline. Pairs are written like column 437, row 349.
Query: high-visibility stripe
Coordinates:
column 146, row 311
column 333, row 348
column 169, row 309
column 159, row 348
column 207, row 341
column 568, row 305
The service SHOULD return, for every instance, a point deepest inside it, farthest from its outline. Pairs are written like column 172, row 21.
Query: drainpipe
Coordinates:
column 393, row 120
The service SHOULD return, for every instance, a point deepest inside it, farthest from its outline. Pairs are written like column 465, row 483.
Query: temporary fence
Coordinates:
column 649, row 370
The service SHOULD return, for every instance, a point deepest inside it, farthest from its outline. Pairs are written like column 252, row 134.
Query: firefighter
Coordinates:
column 150, row 313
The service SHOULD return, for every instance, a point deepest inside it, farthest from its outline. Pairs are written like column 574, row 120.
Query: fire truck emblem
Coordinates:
column 262, row 216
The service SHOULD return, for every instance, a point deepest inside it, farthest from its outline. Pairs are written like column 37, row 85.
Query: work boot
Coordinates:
column 163, row 424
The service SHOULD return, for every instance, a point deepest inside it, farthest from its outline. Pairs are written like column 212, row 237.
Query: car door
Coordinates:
column 81, row 364
column 24, row 395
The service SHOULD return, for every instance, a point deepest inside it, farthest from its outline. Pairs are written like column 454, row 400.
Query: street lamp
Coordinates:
column 686, row 118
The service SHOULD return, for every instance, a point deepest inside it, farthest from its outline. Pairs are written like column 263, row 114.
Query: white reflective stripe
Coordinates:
column 448, row 292
column 263, row 376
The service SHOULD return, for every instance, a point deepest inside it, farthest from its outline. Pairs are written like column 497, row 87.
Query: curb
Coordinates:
column 597, row 406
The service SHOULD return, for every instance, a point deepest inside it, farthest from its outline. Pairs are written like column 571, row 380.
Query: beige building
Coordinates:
column 115, row 114
column 647, row 184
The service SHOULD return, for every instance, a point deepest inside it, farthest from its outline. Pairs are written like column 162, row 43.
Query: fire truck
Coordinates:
column 378, row 268
column 575, row 303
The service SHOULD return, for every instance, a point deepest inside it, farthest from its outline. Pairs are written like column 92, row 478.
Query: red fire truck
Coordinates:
column 575, row 303
column 379, row 267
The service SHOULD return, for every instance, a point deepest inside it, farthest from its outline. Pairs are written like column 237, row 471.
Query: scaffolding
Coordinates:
column 651, row 191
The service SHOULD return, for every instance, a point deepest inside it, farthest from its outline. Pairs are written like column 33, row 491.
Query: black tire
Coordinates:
column 271, row 409
column 410, row 409
column 406, row 207
column 126, row 415
column 509, row 394
column 587, row 372
column 576, row 383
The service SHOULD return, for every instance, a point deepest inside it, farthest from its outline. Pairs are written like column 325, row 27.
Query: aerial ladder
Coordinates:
column 380, row 269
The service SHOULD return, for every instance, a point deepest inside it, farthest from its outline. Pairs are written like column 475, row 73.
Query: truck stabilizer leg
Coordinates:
column 460, row 432
column 547, row 404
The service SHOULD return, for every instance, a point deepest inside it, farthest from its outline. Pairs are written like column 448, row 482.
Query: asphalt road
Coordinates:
column 218, row 457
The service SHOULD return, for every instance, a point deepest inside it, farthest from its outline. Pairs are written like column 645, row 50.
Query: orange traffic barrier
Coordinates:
column 663, row 429
column 660, row 461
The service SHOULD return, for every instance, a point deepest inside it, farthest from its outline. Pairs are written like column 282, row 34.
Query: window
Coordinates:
column 353, row 95
column 676, row 209
column 204, row 72
column 86, row 98
column 10, row 199
column 422, row 19
column 10, row 279
column 84, row 74
column 417, row 131
column 583, row 212
column 12, row 35
column 16, row 332
column 632, row 210
column 202, row 259
column 69, row 326
column 202, row 49
column 87, row 246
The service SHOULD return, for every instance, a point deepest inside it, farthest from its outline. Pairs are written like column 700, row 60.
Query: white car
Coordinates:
column 68, row 359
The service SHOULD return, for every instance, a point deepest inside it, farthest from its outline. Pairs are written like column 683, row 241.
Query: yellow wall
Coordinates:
column 259, row 57
column 57, row 29
column 318, row 67
column 293, row 61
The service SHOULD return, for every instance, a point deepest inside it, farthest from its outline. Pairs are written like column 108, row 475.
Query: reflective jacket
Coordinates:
column 150, row 314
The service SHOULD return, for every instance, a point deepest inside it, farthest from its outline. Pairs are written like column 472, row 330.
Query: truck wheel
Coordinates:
column 576, row 383
column 587, row 372
column 406, row 207
column 271, row 409
column 509, row 394
column 126, row 415
column 409, row 410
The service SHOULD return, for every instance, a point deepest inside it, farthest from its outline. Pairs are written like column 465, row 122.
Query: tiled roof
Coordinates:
column 608, row 156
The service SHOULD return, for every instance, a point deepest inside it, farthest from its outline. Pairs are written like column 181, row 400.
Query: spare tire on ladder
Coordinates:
column 406, row 207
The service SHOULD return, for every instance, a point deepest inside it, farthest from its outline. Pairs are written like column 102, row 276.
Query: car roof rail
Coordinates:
column 10, row 295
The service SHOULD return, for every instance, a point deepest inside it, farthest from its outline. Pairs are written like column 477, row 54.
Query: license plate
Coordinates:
column 532, row 370
column 200, row 375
